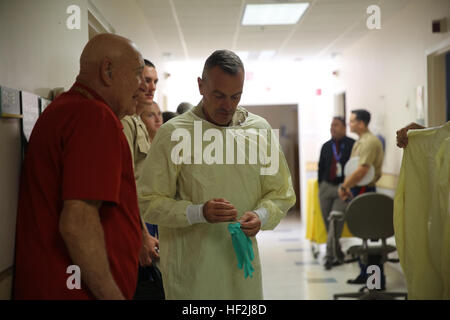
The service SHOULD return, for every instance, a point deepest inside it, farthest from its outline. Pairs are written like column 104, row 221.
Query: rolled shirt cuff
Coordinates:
column 262, row 214
column 194, row 214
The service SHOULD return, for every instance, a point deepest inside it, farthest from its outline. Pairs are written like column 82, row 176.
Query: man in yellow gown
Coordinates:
column 201, row 175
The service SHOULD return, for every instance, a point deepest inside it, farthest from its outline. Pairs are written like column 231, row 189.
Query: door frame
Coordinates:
column 432, row 55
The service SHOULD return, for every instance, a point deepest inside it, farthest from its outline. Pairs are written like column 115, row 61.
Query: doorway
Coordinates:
column 438, row 82
column 340, row 107
column 285, row 119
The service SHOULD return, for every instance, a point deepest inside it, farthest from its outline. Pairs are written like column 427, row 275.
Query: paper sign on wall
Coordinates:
column 9, row 102
column 30, row 112
column 419, row 104
column 43, row 103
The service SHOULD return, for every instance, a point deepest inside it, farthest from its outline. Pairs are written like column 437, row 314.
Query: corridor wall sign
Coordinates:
column 30, row 112
column 43, row 103
column 9, row 103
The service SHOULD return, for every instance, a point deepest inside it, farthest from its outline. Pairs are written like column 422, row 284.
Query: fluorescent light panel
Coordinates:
column 273, row 14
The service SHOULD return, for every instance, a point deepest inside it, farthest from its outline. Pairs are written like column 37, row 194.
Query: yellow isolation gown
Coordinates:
column 421, row 213
column 198, row 261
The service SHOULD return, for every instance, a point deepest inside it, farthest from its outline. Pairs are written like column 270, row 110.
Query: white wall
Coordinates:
column 37, row 51
column 182, row 86
column 128, row 21
column 382, row 71
column 37, row 54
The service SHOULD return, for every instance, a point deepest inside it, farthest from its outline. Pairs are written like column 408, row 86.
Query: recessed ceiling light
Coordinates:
column 273, row 14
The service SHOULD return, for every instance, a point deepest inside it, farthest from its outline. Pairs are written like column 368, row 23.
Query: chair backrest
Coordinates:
column 370, row 216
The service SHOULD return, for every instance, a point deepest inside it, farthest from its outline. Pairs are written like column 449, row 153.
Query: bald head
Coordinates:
column 105, row 46
column 107, row 65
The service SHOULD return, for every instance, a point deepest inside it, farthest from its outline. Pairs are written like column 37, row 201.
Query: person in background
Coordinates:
column 184, row 107
column 370, row 152
column 134, row 129
column 78, row 224
column 333, row 157
column 167, row 115
column 139, row 142
column 152, row 118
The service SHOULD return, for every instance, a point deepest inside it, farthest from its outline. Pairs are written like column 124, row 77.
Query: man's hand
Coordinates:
column 402, row 134
column 344, row 193
column 148, row 250
column 250, row 223
column 219, row 210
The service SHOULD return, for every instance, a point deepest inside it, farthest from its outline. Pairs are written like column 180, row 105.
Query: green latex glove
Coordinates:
column 243, row 248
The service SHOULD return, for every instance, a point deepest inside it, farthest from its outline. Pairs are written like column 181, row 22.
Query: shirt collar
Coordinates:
column 340, row 140
column 239, row 117
column 365, row 134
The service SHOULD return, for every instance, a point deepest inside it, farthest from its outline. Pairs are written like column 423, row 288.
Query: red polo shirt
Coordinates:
column 77, row 150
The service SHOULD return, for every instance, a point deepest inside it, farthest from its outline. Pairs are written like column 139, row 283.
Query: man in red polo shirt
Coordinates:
column 77, row 202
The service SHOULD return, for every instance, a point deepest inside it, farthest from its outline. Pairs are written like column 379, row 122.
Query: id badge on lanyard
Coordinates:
column 338, row 158
column 338, row 169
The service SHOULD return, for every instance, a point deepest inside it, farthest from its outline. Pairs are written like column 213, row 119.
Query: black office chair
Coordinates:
column 369, row 216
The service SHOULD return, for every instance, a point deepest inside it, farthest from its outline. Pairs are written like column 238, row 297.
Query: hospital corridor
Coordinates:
column 291, row 271
column 224, row 150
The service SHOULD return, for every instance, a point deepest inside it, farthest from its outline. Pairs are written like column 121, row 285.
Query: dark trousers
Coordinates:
column 330, row 202
column 149, row 285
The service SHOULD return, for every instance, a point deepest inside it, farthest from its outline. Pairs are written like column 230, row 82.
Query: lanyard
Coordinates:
column 336, row 155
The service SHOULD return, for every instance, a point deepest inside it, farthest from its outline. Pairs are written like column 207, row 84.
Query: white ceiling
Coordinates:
column 193, row 29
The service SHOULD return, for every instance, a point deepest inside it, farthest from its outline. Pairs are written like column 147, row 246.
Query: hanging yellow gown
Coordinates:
column 421, row 213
